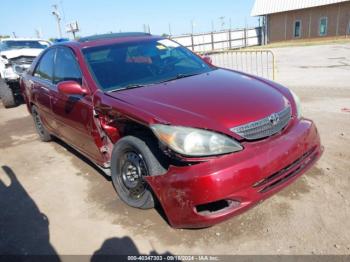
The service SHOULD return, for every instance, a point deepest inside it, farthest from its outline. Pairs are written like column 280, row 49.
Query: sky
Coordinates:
column 104, row 16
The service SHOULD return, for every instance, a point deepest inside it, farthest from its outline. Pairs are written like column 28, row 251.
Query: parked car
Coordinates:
column 59, row 40
column 16, row 55
column 206, row 142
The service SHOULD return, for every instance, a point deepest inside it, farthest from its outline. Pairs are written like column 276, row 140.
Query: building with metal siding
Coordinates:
column 285, row 20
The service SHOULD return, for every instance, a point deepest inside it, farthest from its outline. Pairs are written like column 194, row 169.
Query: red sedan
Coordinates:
column 205, row 142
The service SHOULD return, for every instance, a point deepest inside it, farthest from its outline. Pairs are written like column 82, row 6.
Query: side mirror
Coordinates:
column 71, row 88
column 208, row 60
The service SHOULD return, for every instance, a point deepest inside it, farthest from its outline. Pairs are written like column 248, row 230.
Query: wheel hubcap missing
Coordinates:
column 133, row 169
column 38, row 123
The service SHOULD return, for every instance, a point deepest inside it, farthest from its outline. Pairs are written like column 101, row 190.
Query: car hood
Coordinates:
column 218, row 100
column 10, row 54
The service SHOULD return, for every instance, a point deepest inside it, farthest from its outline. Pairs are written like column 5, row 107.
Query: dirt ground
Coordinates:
column 52, row 201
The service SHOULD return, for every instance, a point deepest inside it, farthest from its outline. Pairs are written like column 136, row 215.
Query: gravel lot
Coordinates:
column 53, row 201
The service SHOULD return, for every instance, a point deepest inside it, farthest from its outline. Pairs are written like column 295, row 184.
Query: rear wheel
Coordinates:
column 44, row 135
column 6, row 94
column 133, row 160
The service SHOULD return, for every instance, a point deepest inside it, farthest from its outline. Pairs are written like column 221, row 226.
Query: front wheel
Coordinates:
column 132, row 160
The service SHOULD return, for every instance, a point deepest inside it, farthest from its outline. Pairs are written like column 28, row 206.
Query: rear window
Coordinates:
column 13, row 44
column 98, row 56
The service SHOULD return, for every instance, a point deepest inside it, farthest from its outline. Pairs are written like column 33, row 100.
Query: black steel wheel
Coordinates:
column 133, row 170
column 44, row 135
column 132, row 161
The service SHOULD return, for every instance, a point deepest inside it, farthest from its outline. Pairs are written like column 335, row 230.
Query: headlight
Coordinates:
column 195, row 142
column 18, row 69
column 297, row 103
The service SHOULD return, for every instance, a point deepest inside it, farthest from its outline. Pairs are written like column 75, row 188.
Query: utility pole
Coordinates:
column 38, row 33
column 170, row 34
column 192, row 26
column 56, row 14
column 73, row 28
column 146, row 28
column 222, row 19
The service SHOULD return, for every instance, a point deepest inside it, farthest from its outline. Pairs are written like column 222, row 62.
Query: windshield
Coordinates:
column 13, row 44
column 131, row 65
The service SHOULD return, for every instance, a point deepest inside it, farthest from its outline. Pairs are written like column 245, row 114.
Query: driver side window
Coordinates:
column 44, row 70
column 66, row 66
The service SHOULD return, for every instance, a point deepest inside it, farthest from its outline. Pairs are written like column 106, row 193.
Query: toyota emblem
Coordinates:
column 274, row 119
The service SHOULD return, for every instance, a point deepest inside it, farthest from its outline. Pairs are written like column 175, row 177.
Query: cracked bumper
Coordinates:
column 247, row 177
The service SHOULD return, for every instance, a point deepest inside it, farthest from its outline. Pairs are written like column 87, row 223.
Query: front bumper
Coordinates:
column 242, row 179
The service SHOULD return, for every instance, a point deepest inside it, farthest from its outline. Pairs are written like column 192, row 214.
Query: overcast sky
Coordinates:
column 102, row 16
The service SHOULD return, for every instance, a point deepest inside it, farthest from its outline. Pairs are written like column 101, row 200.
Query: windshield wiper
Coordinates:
column 129, row 86
column 179, row 76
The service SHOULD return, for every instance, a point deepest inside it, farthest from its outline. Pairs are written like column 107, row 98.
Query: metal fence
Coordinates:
column 255, row 62
column 227, row 39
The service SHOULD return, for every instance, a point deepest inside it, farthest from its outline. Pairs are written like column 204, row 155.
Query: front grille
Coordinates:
column 265, row 127
column 21, row 60
column 286, row 173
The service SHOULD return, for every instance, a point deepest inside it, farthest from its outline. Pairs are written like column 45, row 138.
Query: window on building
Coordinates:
column 323, row 26
column 297, row 28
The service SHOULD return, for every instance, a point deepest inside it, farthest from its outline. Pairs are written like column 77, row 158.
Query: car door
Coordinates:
column 73, row 113
column 42, row 84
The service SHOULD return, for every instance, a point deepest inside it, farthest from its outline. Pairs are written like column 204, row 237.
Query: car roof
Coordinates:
column 105, row 39
column 111, row 36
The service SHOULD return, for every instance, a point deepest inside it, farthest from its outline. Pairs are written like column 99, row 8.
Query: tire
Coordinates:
column 134, row 158
column 44, row 135
column 6, row 94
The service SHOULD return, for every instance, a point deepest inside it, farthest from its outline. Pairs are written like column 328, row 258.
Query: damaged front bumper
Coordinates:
column 204, row 194
column 10, row 74
column 13, row 72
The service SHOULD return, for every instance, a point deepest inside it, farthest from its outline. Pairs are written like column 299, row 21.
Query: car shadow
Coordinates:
column 24, row 230
column 125, row 246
